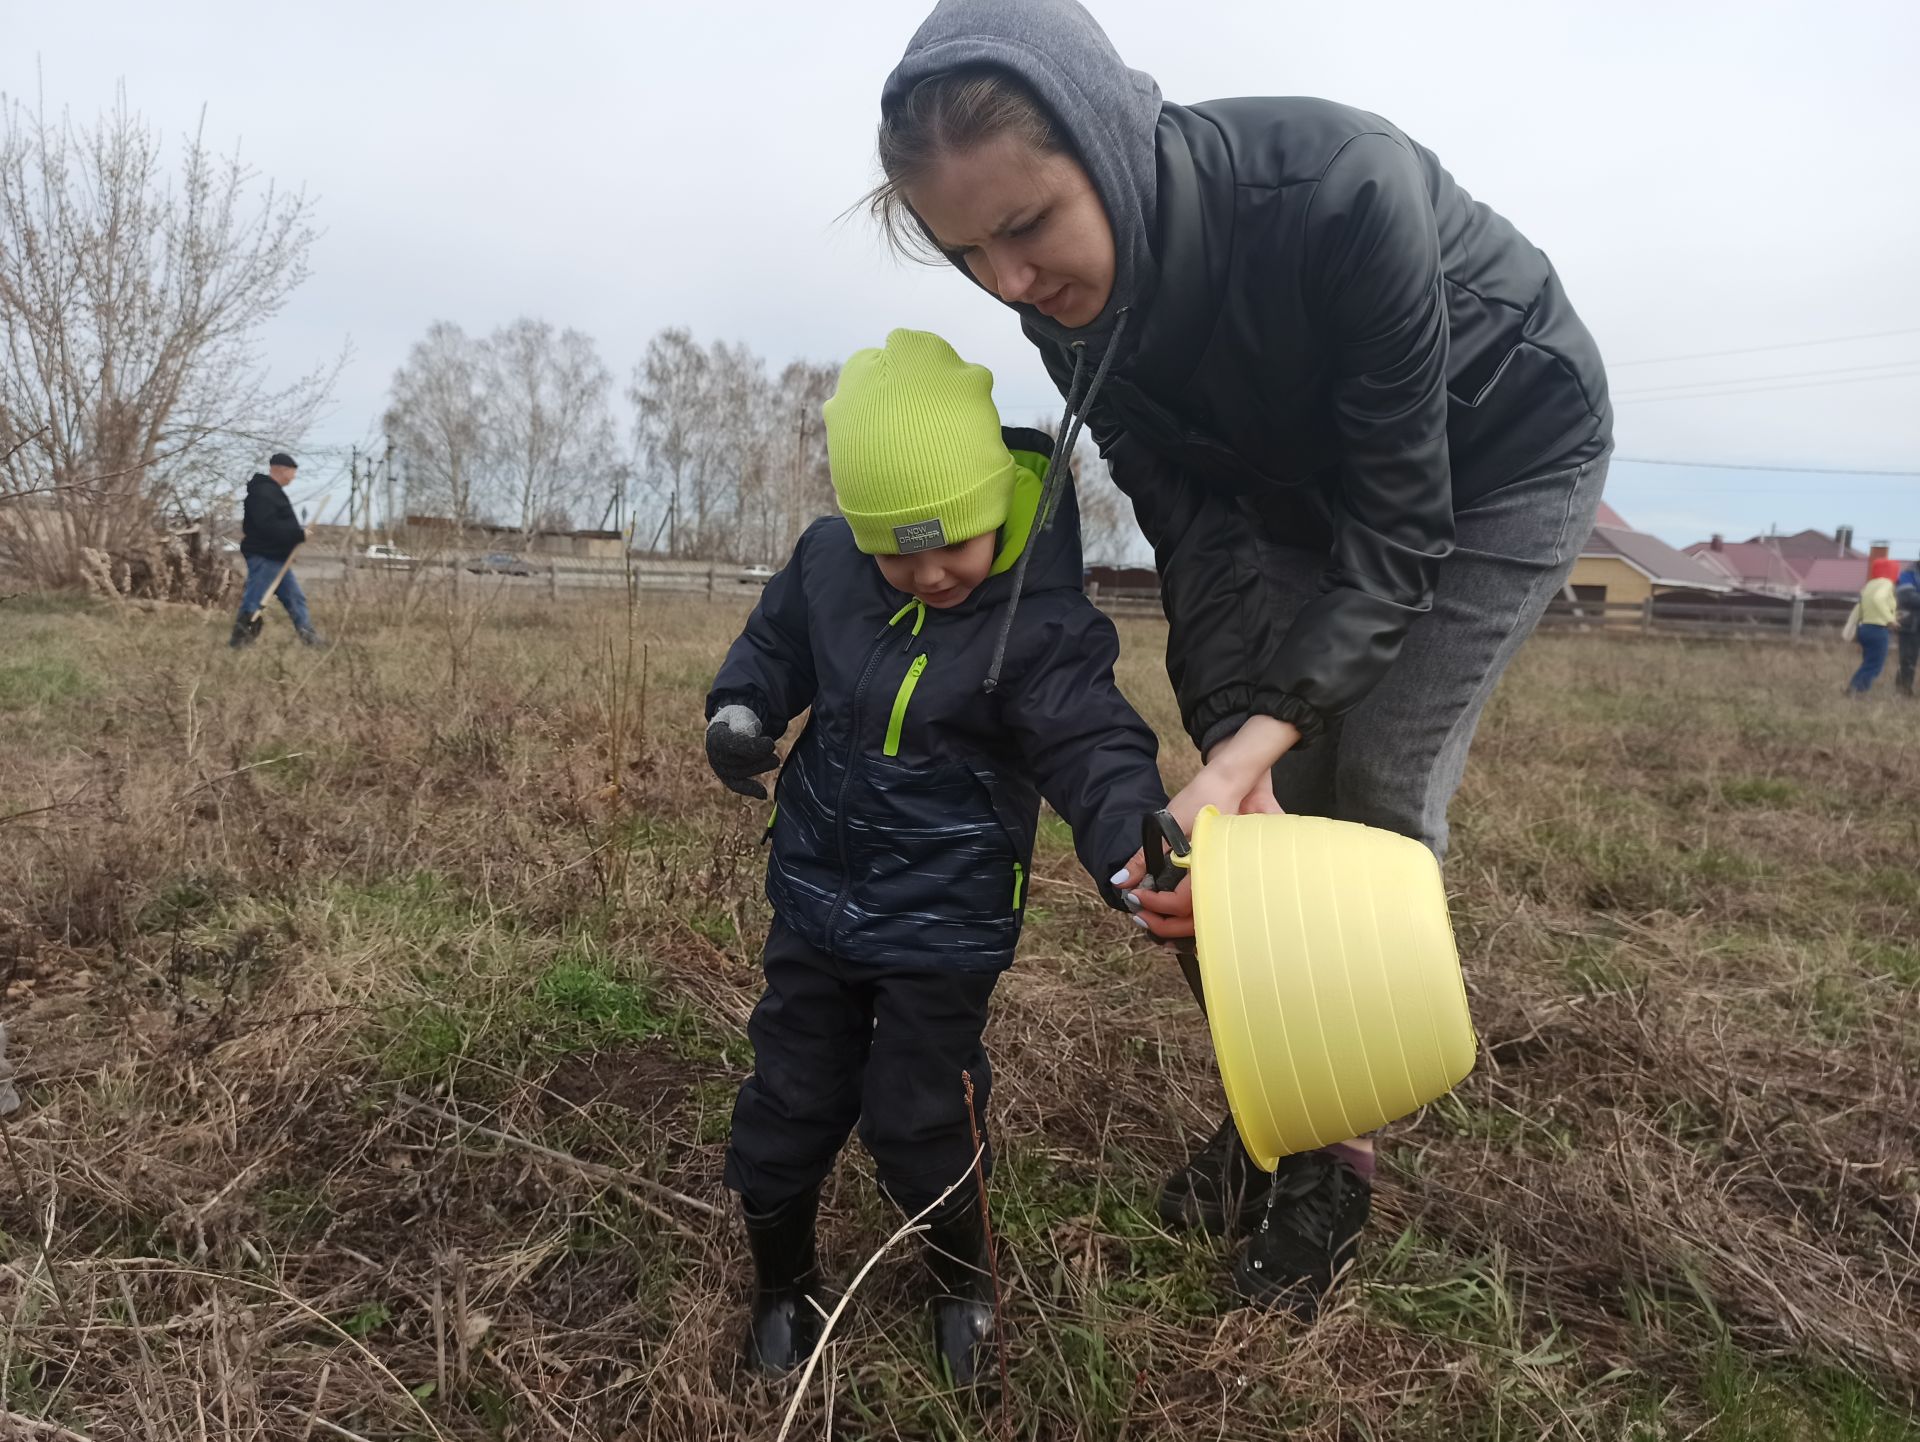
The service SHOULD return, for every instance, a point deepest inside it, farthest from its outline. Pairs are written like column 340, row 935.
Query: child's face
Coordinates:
column 943, row 577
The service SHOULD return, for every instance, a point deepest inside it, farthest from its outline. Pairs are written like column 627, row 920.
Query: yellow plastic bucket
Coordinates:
column 1332, row 984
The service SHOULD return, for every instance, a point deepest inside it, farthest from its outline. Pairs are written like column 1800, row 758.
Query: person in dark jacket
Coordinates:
column 269, row 532
column 1357, row 416
column 1906, row 599
column 956, row 674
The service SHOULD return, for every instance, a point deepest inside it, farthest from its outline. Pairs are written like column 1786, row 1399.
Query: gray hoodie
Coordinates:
column 1108, row 112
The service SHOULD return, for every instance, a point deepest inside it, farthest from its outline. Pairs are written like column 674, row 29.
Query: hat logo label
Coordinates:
column 920, row 536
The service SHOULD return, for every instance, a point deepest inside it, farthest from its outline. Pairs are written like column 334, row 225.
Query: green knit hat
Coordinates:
column 914, row 444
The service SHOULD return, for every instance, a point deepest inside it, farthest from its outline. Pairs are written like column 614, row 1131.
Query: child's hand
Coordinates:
column 737, row 751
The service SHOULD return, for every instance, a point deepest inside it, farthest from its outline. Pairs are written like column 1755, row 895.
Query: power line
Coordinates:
column 1760, row 349
column 1775, row 376
column 1653, row 397
column 1741, row 466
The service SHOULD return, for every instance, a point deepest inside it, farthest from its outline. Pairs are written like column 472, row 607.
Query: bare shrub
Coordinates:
column 133, row 390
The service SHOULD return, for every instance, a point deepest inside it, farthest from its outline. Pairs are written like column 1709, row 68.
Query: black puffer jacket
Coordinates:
column 905, row 813
column 268, row 526
column 1343, row 347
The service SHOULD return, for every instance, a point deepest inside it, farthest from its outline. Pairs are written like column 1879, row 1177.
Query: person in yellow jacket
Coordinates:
column 1871, row 622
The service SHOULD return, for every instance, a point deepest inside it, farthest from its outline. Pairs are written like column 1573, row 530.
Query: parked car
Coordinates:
column 384, row 558
column 499, row 563
column 756, row 575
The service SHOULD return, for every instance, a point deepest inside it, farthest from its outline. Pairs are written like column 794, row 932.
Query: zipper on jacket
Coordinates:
column 1019, row 883
column 900, row 700
column 880, row 645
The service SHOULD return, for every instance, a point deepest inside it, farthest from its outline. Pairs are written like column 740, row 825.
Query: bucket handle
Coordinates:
column 1168, row 854
column 1167, row 849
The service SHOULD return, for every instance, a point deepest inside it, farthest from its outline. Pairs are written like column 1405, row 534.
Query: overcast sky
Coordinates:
column 1707, row 177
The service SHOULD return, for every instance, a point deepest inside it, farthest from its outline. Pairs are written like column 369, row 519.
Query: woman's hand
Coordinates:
column 1238, row 781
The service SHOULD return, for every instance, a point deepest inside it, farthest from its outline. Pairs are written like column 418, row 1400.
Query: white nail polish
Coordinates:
column 1118, row 877
column 1141, row 922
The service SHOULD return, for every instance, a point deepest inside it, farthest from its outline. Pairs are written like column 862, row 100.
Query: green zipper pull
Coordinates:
column 900, row 700
column 1019, row 883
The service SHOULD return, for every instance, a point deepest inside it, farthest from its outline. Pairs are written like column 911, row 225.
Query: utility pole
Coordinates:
column 389, row 465
column 353, row 502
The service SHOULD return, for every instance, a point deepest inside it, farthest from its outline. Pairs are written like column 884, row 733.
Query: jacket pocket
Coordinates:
column 932, row 866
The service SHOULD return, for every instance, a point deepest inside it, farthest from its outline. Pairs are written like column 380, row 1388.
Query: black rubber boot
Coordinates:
column 786, row 1281
column 311, row 637
column 242, row 636
column 956, row 1243
column 1309, row 1227
column 1219, row 1190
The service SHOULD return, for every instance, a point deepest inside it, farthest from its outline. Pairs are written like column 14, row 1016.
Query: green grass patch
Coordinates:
column 28, row 685
column 419, row 906
column 363, row 1321
column 183, row 902
column 503, row 1012
column 1897, row 962
column 580, row 1004
column 716, row 926
column 1759, row 791
column 1752, row 1405
column 1599, row 966
column 1053, row 837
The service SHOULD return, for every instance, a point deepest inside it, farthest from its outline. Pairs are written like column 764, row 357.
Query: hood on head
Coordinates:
column 1107, row 111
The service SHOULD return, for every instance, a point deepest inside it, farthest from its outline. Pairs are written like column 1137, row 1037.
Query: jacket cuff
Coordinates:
column 1213, row 719
column 752, row 700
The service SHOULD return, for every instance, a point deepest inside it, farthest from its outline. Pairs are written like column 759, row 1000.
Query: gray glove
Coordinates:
column 737, row 751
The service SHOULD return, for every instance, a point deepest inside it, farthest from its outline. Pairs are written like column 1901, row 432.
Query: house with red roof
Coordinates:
column 1805, row 563
column 1620, row 564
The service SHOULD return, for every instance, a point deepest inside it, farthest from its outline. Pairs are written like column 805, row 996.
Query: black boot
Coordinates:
column 242, row 632
column 1220, row 1190
column 785, row 1323
column 311, row 637
column 1309, row 1226
column 956, row 1242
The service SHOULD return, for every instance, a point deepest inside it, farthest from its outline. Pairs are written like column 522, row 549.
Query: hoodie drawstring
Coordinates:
column 1071, row 422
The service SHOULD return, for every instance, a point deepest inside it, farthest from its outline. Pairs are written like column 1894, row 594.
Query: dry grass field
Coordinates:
column 378, row 1011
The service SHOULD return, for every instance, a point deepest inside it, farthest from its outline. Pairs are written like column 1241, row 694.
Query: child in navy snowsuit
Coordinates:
column 904, row 817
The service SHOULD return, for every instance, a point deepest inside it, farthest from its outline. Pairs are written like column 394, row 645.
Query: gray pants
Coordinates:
column 1396, row 759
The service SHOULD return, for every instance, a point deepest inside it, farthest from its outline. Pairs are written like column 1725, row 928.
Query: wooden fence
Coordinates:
column 1744, row 617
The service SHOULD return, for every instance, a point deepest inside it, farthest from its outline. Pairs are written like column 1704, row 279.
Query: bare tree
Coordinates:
column 671, row 395
column 548, row 421
column 437, row 417
column 731, row 463
column 800, row 447
column 1108, row 535
column 742, row 513
column 133, row 388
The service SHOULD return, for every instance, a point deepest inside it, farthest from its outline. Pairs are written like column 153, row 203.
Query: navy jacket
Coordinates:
column 905, row 814
column 268, row 526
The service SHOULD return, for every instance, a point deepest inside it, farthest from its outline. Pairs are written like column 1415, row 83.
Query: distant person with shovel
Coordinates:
column 270, row 533
column 1356, row 413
